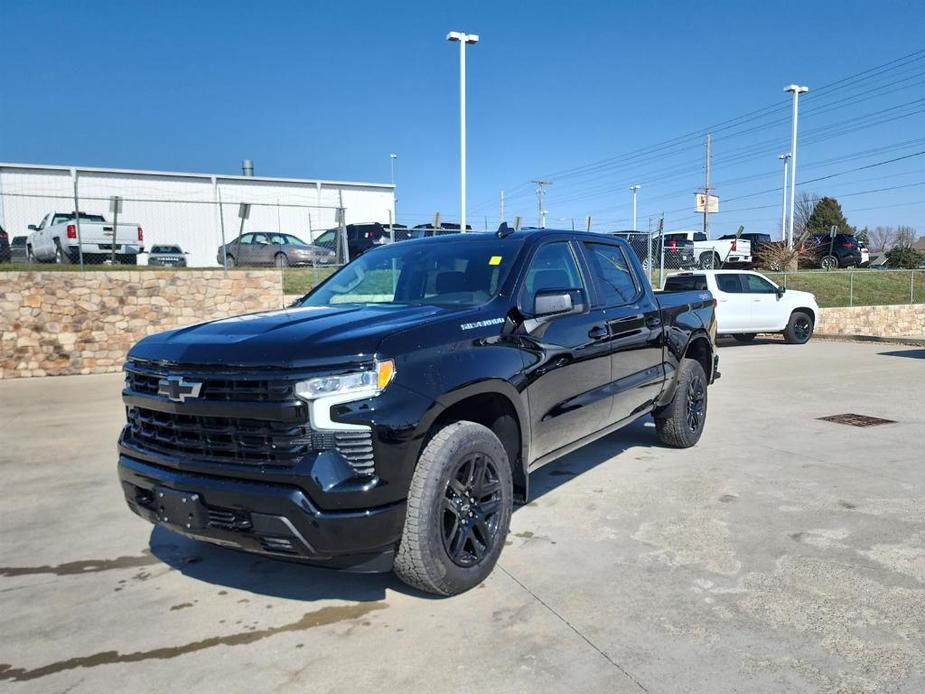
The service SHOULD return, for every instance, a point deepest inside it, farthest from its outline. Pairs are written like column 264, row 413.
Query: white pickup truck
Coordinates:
column 715, row 253
column 54, row 239
column 748, row 303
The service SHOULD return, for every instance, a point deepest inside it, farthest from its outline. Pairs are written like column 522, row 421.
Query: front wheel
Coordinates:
column 799, row 328
column 459, row 511
column 281, row 260
column 680, row 423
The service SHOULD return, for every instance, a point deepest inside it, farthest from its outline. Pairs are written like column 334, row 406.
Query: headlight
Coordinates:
column 361, row 383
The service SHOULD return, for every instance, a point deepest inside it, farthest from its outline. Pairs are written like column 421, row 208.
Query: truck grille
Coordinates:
column 245, row 441
column 147, row 381
column 224, row 439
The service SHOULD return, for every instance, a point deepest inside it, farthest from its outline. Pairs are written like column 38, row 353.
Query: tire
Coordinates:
column 230, row 260
column 448, row 520
column 61, row 256
column 829, row 262
column 127, row 259
column 30, row 256
column 744, row 337
column 281, row 260
column 709, row 261
column 799, row 328
column 680, row 423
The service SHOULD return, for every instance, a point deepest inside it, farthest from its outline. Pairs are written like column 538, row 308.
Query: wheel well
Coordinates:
column 496, row 412
column 699, row 349
column 809, row 311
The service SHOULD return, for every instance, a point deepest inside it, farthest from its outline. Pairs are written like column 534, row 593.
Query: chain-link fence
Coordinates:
column 177, row 220
column 658, row 256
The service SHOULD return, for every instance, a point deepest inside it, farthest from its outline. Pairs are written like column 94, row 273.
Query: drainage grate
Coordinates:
column 856, row 420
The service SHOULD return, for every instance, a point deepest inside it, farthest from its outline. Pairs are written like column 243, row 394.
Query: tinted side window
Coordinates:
column 682, row 283
column 729, row 284
column 247, row 238
column 553, row 267
column 758, row 285
column 613, row 274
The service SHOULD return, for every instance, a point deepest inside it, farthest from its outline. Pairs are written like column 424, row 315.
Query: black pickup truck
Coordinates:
column 390, row 418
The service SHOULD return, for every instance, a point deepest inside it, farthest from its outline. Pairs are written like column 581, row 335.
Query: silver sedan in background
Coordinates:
column 271, row 248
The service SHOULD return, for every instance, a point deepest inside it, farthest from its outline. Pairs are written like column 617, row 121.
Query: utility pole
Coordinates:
column 796, row 90
column 783, row 205
column 706, row 189
column 392, row 158
column 502, row 207
column 463, row 40
column 541, row 199
column 635, row 190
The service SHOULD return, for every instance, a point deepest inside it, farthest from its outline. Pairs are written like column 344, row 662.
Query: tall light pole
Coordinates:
column 463, row 39
column 541, row 200
column 796, row 90
column 392, row 158
column 783, row 204
column 635, row 189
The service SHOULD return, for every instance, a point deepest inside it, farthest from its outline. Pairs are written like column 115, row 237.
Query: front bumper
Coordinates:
column 271, row 519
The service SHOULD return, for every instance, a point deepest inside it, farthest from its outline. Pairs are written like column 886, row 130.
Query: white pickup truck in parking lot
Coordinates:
column 55, row 239
column 715, row 253
column 748, row 303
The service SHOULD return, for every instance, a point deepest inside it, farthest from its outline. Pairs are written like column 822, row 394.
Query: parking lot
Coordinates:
column 782, row 553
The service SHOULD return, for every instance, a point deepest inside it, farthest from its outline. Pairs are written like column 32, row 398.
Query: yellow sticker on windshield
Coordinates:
column 494, row 260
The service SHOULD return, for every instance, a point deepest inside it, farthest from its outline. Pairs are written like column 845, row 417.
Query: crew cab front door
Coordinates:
column 568, row 370
column 634, row 329
column 766, row 311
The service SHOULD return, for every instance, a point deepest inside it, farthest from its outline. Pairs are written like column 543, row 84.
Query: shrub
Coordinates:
column 904, row 257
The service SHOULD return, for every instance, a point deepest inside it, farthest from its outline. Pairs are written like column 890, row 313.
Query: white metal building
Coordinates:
column 183, row 208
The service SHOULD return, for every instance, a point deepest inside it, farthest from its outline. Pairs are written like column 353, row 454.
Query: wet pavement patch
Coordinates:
column 87, row 566
column 310, row 620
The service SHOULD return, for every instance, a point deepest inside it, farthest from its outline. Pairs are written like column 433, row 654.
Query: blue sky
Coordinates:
column 329, row 89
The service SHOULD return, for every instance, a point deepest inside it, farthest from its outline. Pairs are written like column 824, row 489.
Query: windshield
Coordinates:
column 462, row 272
column 166, row 249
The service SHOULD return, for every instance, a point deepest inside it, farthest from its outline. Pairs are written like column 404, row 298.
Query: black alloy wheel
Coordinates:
column 696, row 403
column 802, row 328
column 471, row 510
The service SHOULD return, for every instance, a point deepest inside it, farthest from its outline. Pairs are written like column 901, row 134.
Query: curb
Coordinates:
column 914, row 341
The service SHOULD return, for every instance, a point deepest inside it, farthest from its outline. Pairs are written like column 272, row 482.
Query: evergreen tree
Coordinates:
column 826, row 214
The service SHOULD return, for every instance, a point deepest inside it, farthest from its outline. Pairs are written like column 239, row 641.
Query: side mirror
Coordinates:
column 780, row 292
column 32, row 227
column 552, row 303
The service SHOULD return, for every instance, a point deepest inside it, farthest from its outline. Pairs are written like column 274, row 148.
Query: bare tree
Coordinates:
column 882, row 239
column 905, row 236
column 803, row 208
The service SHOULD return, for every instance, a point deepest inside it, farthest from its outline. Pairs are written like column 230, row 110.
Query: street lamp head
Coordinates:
column 635, row 187
column 784, row 157
column 393, row 156
column 796, row 88
column 462, row 36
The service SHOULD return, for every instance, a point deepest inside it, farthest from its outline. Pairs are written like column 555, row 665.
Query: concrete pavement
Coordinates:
column 783, row 553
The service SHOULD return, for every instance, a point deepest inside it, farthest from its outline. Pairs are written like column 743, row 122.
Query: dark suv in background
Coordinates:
column 831, row 252
column 360, row 238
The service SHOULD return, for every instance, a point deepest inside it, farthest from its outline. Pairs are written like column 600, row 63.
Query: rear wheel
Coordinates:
column 744, row 337
column 709, row 261
column 459, row 511
column 829, row 262
column 799, row 328
column 680, row 423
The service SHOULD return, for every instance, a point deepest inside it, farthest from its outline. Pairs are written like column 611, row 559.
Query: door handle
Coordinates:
column 597, row 332
column 653, row 322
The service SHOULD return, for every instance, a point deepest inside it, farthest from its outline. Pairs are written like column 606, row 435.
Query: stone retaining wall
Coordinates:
column 898, row 320
column 56, row 323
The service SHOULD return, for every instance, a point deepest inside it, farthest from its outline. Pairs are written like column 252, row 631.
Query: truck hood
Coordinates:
column 292, row 338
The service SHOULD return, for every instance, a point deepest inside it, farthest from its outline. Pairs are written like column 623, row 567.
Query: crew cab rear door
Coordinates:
column 733, row 307
column 568, row 381
column 634, row 325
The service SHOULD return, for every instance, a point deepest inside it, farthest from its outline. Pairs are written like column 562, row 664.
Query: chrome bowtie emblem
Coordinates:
column 178, row 389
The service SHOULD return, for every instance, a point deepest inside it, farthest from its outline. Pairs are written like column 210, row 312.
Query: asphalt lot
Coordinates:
column 783, row 553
